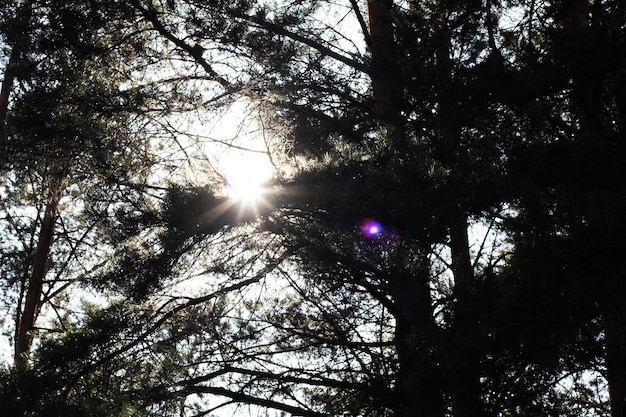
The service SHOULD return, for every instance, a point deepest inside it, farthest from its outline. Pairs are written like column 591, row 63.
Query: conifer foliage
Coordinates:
column 441, row 237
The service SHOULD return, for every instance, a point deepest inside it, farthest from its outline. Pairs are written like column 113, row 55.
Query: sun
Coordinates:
column 244, row 152
column 246, row 190
column 246, row 176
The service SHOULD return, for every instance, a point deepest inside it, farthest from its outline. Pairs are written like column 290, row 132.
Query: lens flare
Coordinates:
column 371, row 228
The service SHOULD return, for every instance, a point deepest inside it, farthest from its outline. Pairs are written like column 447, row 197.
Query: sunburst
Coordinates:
column 246, row 176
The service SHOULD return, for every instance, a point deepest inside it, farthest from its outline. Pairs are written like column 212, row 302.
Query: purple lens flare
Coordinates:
column 371, row 228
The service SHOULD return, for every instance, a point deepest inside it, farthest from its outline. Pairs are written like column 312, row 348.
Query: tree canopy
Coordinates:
column 441, row 236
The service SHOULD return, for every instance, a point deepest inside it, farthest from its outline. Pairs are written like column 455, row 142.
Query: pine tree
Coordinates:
column 71, row 151
column 432, row 114
column 406, row 125
column 355, row 288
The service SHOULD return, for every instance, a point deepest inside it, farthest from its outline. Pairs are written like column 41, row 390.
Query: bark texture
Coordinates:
column 34, row 294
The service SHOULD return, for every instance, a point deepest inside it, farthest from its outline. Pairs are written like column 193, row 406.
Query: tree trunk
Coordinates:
column 418, row 380
column 7, row 84
column 22, row 15
column 615, row 342
column 385, row 71
column 32, row 305
column 591, row 105
column 419, row 376
column 465, row 389
column 464, row 361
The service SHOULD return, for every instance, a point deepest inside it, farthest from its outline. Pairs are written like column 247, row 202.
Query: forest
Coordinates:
column 434, row 200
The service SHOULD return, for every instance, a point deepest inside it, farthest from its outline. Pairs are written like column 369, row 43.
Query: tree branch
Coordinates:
column 324, row 50
column 361, row 19
column 241, row 397
column 192, row 50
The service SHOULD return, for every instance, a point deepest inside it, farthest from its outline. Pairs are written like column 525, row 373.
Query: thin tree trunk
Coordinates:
column 7, row 84
column 22, row 15
column 32, row 305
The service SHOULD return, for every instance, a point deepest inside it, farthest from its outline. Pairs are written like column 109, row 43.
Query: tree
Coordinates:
column 433, row 210
column 355, row 289
column 80, row 179
column 432, row 111
column 581, row 130
column 73, row 149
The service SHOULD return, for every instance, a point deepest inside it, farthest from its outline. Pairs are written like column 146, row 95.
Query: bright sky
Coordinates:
column 242, row 155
